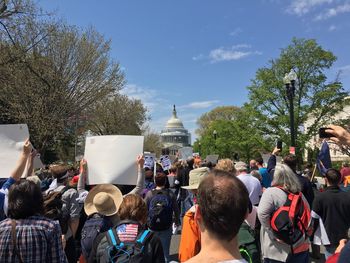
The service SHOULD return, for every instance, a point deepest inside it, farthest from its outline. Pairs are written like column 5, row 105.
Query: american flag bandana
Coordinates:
column 127, row 232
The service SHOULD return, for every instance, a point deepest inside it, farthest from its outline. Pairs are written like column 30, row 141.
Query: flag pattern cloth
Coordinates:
column 127, row 232
column 324, row 159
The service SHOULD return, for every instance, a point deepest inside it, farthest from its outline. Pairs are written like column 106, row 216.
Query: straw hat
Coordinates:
column 196, row 176
column 104, row 199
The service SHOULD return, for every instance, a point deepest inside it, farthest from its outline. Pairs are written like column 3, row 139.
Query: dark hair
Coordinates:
column 160, row 179
column 259, row 160
column 133, row 208
column 223, row 202
column 25, row 200
column 333, row 176
column 291, row 161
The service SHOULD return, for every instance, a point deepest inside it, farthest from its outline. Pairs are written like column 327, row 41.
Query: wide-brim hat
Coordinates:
column 104, row 199
column 195, row 178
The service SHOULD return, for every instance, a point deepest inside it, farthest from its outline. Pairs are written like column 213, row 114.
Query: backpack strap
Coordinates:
column 141, row 241
column 113, row 239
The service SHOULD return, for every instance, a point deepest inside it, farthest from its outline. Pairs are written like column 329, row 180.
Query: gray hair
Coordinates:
column 285, row 177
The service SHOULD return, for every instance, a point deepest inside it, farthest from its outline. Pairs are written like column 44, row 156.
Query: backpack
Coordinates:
column 160, row 210
column 290, row 222
column 248, row 245
column 53, row 209
column 92, row 227
column 121, row 252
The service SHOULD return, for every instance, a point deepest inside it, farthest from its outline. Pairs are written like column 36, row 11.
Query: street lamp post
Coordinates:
column 289, row 81
column 215, row 134
column 199, row 148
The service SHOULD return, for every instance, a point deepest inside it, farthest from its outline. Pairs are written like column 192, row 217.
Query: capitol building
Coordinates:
column 175, row 136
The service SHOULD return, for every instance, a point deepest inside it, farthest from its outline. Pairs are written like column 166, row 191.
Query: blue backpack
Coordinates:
column 93, row 226
column 160, row 210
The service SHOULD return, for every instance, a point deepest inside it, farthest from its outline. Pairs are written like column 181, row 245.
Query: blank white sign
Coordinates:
column 112, row 158
column 12, row 138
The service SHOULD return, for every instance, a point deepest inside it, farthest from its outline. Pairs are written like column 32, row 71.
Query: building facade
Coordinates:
column 175, row 136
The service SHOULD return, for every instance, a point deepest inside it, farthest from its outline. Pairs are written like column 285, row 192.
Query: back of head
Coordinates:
column 333, row 176
column 291, row 161
column 160, row 179
column 260, row 161
column 25, row 200
column 133, row 208
column 226, row 165
column 286, row 178
column 223, row 202
column 60, row 172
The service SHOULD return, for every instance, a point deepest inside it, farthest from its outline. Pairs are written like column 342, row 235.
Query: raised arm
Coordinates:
column 22, row 161
column 341, row 136
column 82, row 176
column 140, row 176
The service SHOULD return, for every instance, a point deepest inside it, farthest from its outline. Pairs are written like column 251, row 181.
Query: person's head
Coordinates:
column 195, row 177
column 60, row 172
column 160, row 179
column 291, row 161
column 260, row 161
column 253, row 164
column 256, row 174
column 148, row 173
column 133, row 208
column 104, row 199
column 286, row 178
column 25, row 199
column 223, row 203
column 226, row 165
column 241, row 167
column 333, row 177
column 173, row 169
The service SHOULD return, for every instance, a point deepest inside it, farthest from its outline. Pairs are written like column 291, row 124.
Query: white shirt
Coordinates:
column 253, row 186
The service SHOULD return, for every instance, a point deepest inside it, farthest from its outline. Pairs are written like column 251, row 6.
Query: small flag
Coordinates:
column 127, row 232
column 324, row 159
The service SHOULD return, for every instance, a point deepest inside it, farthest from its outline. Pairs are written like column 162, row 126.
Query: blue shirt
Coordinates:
column 3, row 197
column 266, row 178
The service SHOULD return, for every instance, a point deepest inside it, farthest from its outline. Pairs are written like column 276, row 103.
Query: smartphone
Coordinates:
column 323, row 134
column 279, row 145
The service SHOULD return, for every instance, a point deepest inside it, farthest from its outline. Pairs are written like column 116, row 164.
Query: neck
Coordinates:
column 219, row 250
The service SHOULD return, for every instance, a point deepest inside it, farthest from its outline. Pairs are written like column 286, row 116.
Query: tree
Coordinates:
column 118, row 114
column 316, row 98
column 60, row 77
column 236, row 137
column 219, row 113
column 152, row 142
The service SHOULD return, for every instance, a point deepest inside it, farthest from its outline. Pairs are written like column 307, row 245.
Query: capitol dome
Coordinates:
column 174, row 122
column 175, row 136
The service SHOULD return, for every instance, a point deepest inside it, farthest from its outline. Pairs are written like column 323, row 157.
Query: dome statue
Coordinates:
column 174, row 122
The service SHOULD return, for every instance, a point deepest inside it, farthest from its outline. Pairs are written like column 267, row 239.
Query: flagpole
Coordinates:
column 313, row 173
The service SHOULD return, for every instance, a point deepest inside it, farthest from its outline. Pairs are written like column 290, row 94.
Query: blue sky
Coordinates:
column 202, row 54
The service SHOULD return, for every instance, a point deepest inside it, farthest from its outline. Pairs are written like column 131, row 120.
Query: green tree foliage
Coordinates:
column 152, row 142
column 316, row 101
column 118, row 114
column 219, row 113
column 237, row 136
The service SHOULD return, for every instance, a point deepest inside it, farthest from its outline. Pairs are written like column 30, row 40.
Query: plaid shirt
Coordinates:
column 38, row 241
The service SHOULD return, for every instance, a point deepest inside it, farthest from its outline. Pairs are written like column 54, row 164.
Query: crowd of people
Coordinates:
column 231, row 212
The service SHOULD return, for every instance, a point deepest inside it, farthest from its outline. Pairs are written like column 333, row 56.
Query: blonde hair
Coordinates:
column 226, row 165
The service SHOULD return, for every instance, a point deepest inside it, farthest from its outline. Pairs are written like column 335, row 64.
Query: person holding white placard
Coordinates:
column 15, row 176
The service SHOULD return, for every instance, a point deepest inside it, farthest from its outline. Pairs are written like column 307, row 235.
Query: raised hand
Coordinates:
column 341, row 136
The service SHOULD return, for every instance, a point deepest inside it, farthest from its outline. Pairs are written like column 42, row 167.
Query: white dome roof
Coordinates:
column 174, row 122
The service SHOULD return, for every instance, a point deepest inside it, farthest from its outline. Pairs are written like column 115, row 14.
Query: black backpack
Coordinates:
column 248, row 245
column 93, row 226
column 160, row 210
column 122, row 252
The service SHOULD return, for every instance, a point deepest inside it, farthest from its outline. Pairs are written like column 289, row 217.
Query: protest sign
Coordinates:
column 37, row 163
column 165, row 161
column 112, row 158
column 213, row 158
column 150, row 158
column 185, row 153
column 12, row 138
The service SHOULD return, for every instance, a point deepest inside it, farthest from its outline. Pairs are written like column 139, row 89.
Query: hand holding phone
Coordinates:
column 323, row 134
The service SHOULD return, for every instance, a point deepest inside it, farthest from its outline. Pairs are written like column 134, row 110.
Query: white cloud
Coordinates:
column 334, row 11
column 332, row 28
column 302, row 7
column 236, row 31
column 199, row 104
column 234, row 52
column 345, row 70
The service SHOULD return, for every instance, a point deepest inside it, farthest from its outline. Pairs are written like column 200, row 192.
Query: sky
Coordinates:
column 200, row 54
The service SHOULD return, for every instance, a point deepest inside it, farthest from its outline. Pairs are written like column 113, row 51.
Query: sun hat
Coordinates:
column 104, row 199
column 196, row 176
column 241, row 166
